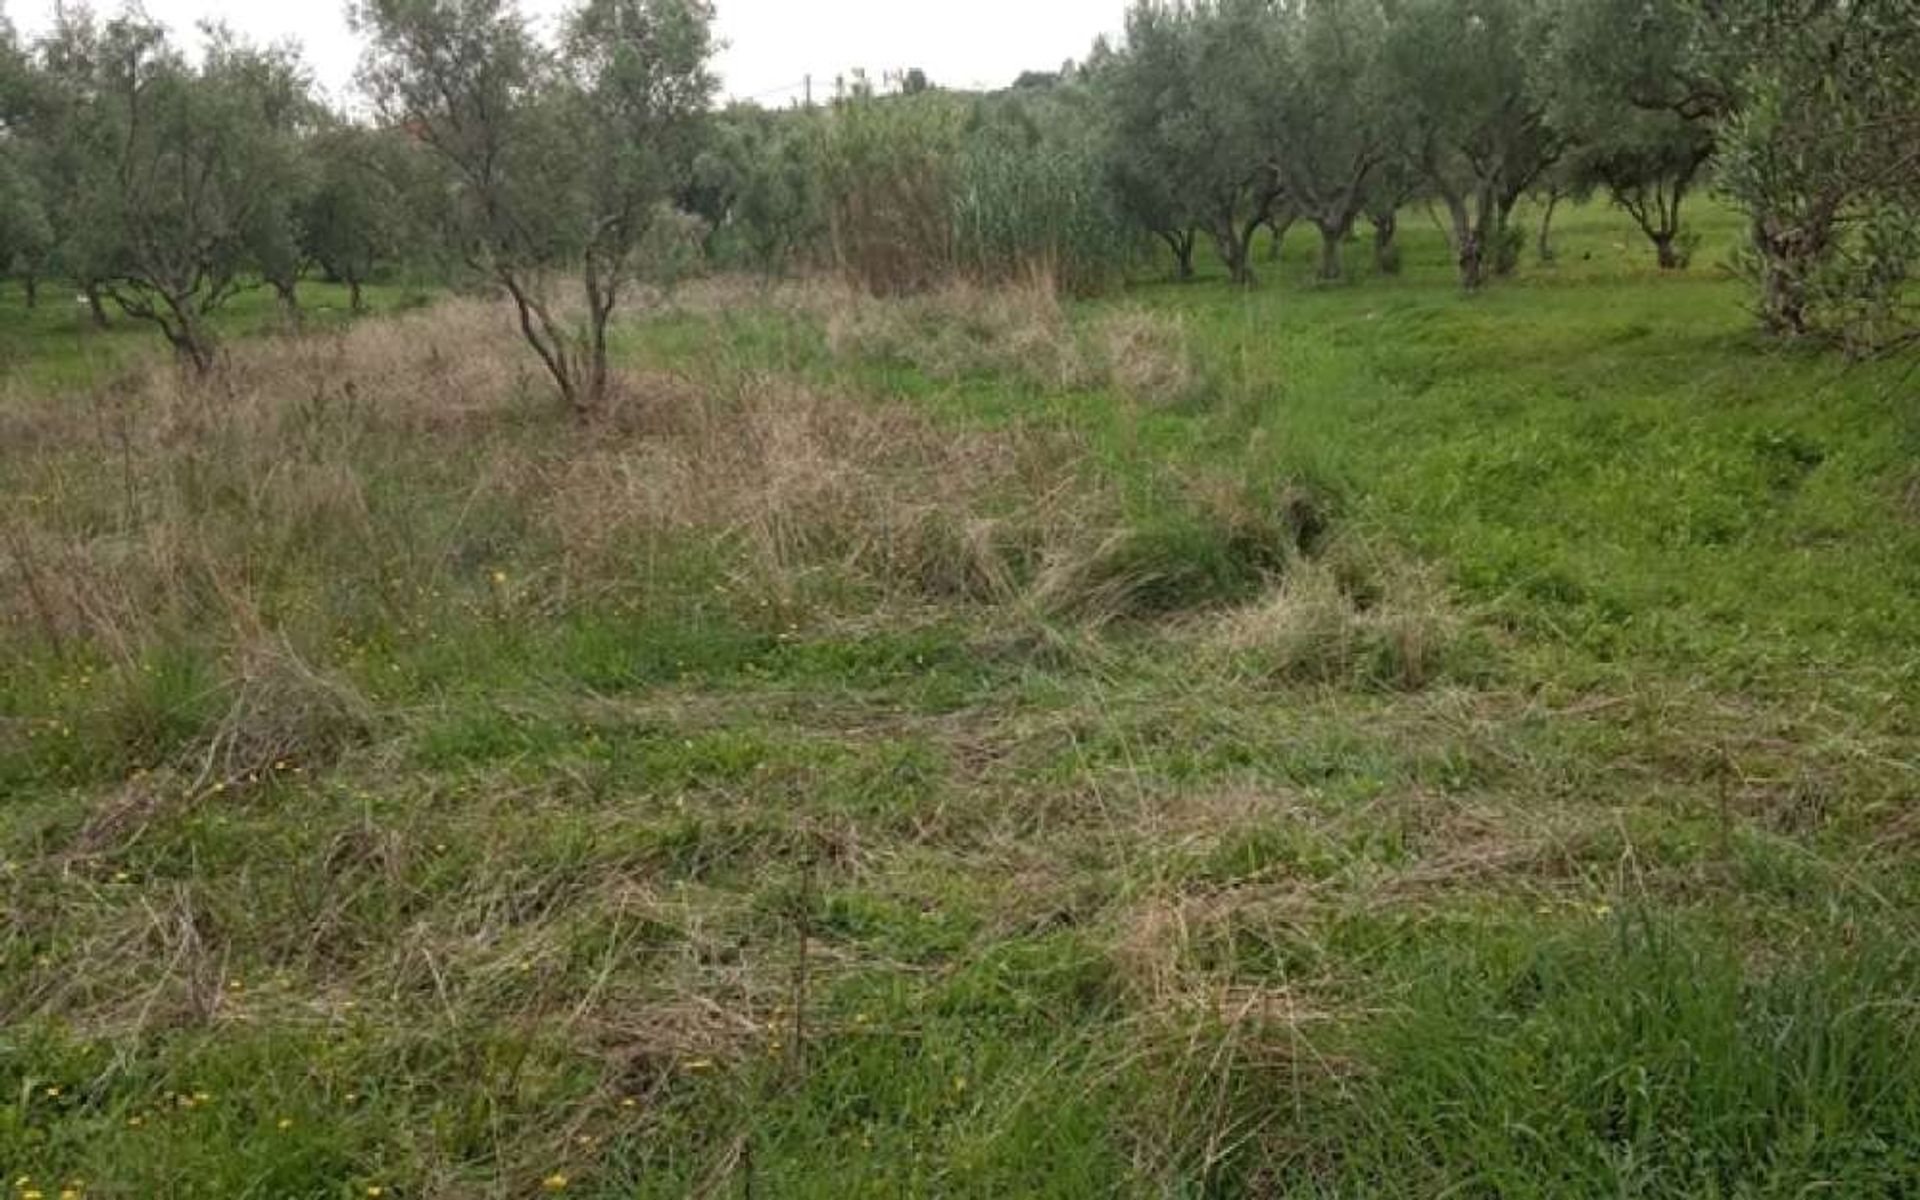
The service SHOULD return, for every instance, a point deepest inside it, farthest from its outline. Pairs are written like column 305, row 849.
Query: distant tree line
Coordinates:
column 567, row 172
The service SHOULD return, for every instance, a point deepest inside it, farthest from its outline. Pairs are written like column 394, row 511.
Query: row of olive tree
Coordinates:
column 141, row 176
column 1227, row 115
column 563, row 172
column 166, row 183
column 1223, row 116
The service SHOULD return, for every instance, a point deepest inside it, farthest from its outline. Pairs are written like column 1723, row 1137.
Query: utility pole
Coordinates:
column 809, row 86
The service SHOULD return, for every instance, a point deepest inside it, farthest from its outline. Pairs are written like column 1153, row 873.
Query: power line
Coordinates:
column 798, row 85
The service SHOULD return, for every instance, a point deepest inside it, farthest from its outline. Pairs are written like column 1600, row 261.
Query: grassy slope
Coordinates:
column 1583, row 868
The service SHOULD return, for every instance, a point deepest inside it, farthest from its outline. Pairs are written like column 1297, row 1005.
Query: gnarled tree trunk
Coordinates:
column 1546, row 227
column 1331, row 238
column 96, row 306
column 1279, row 223
column 1233, row 249
column 287, row 294
column 1386, row 249
column 1181, row 242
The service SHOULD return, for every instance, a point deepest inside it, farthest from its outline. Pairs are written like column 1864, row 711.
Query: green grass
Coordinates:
column 1445, row 746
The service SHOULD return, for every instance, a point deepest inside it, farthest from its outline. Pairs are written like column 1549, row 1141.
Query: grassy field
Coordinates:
column 1317, row 741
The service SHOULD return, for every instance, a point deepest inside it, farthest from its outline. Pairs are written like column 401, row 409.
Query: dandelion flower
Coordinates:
column 700, row 1064
column 555, row 1182
column 285, row 1123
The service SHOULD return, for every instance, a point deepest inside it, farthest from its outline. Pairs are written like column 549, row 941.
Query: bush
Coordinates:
column 921, row 190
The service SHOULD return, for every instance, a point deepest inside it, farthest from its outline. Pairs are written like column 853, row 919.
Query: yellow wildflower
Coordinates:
column 555, row 1182
column 285, row 1123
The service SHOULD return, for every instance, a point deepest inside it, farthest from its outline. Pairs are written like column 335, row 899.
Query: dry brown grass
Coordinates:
column 400, row 455
column 1391, row 624
column 1020, row 332
column 813, row 484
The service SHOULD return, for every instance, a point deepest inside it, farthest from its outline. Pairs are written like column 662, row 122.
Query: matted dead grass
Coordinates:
column 1023, row 333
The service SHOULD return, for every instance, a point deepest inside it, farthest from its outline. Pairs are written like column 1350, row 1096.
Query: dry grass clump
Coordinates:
column 281, row 711
column 1146, row 356
column 333, row 482
column 961, row 329
column 165, row 498
column 1019, row 331
column 1333, row 621
column 817, row 487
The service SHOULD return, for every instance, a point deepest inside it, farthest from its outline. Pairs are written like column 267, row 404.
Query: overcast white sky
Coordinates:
column 771, row 44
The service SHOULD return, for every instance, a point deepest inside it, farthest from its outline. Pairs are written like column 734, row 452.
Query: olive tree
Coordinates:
column 1476, row 124
column 182, row 167
column 755, row 183
column 356, row 214
column 1149, row 191
column 1191, row 110
column 63, row 137
column 280, row 92
column 1822, row 150
column 1618, row 81
column 1390, row 187
column 561, row 161
column 26, row 235
column 1333, row 131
